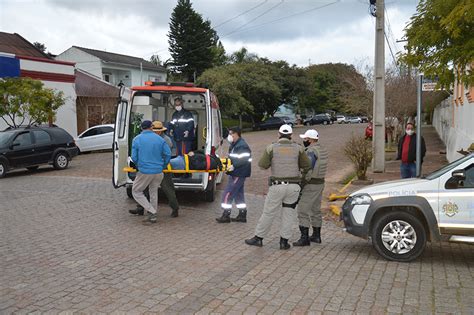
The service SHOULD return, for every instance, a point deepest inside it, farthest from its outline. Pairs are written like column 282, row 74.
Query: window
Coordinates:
column 41, row 137
column 90, row 133
column 155, row 78
column 106, row 77
column 23, row 139
column 469, row 181
column 106, row 130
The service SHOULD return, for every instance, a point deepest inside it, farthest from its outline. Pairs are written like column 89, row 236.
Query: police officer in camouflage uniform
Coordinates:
column 288, row 162
column 309, row 207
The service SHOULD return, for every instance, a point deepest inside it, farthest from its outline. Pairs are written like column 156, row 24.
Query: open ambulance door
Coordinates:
column 121, row 134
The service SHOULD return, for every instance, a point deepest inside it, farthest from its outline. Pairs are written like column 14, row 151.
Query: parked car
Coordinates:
column 364, row 119
column 317, row 119
column 30, row 147
column 98, row 137
column 354, row 120
column 270, row 123
column 341, row 119
column 400, row 216
column 289, row 121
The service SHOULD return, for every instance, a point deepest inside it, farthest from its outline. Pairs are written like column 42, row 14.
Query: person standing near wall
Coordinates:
column 407, row 152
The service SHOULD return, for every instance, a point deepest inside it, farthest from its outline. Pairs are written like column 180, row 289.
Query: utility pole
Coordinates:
column 378, row 143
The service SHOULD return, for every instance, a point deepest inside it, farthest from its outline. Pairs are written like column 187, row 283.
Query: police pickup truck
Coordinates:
column 400, row 216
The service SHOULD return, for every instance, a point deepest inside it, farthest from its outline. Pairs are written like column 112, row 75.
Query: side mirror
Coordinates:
column 459, row 174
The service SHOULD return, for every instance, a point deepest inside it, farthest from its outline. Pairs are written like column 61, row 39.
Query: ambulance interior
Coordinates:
column 152, row 105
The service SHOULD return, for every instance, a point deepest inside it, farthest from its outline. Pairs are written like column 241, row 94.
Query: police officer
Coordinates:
column 241, row 157
column 167, row 185
column 182, row 126
column 288, row 162
column 309, row 207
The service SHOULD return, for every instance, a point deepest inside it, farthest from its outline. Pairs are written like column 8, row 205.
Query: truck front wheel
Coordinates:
column 399, row 236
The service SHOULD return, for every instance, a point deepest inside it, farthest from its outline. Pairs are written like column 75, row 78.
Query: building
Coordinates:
column 20, row 58
column 453, row 120
column 114, row 68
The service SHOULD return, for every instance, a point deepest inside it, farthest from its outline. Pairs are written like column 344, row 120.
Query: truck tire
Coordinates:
column 399, row 236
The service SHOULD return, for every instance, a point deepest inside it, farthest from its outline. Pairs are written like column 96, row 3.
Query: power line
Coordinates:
column 239, row 15
column 255, row 18
column 390, row 47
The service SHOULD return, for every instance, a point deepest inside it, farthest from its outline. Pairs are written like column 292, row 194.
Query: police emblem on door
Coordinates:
column 450, row 209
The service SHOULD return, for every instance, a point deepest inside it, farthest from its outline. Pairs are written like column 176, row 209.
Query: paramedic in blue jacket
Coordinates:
column 150, row 154
column 241, row 157
column 182, row 126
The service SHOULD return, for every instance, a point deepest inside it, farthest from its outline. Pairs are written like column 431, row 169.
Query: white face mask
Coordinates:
column 179, row 108
column 230, row 138
column 410, row 132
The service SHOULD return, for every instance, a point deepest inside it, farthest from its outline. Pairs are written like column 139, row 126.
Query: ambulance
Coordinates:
column 155, row 101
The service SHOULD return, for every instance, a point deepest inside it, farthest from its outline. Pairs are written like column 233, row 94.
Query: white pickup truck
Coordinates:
column 400, row 216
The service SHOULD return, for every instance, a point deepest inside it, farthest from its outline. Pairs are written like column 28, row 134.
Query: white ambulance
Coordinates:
column 155, row 101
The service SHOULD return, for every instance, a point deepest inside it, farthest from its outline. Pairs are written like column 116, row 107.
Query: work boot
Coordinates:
column 254, row 241
column 152, row 218
column 284, row 243
column 174, row 213
column 225, row 218
column 316, row 237
column 241, row 217
column 137, row 211
column 304, row 239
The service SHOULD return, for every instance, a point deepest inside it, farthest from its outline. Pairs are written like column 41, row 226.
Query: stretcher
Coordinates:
column 225, row 165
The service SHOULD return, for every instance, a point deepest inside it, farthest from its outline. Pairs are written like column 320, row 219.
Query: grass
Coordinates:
column 348, row 178
column 227, row 122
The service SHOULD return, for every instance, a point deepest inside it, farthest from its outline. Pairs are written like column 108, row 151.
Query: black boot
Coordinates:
column 316, row 237
column 304, row 239
column 174, row 212
column 284, row 243
column 241, row 217
column 137, row 211
column 225, row 218
column 254, row 241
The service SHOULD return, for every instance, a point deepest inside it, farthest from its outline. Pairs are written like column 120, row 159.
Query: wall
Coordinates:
column 453, row 119
column 83, row 60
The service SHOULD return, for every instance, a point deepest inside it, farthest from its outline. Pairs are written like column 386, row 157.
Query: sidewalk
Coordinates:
column 433, row 160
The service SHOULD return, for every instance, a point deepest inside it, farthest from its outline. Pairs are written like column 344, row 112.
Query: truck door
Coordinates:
column 456, row 200
column 120, row 141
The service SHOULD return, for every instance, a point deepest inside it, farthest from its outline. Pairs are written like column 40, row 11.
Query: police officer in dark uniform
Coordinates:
column 288, row 163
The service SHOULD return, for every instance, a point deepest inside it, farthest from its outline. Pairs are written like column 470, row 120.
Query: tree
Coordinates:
column 26, row 100
column 40, row 46
column 243, row 55
column 439, row 37
column 193, row 44
column 156, row 60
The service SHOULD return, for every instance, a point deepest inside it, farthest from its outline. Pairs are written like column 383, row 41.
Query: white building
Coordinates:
column 114, row 68
column 19, row 58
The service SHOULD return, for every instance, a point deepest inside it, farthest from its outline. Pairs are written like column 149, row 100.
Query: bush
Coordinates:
column 359, row 151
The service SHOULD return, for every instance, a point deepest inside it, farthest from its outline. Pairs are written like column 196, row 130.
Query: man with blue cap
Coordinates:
column 151, row 154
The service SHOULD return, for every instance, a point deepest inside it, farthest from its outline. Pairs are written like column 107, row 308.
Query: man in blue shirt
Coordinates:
column 151, row 154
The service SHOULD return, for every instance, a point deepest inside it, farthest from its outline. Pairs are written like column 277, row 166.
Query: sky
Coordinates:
column 302, row 32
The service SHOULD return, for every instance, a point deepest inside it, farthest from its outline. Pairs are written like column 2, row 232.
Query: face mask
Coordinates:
column 230, row 138
column 409, row 132
column 306, row 143
column 179, row 108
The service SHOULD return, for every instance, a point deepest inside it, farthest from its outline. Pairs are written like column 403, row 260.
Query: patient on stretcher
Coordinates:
column 197, row 161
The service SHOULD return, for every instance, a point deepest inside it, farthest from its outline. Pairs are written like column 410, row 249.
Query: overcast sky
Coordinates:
column 298, row 31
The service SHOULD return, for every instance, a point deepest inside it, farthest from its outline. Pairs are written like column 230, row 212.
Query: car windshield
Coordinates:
column 449, row 167
column 4, row 138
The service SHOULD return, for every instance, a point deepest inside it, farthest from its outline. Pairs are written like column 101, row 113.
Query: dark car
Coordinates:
column 30, row 147
column 324, row 119
column 270, row 123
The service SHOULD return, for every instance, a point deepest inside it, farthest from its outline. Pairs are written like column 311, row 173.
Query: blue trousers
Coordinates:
column 408, row 170
column 184, row 147
column 234, row 191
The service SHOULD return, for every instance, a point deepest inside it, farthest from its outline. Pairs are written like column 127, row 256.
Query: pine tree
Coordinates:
column 193, row 44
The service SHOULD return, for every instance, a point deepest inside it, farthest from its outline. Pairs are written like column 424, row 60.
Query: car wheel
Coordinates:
column 210, row 192
column 61, row 161
column 3, row 169
column 399, row 236
column 129, row 192
column 325, row 122
column 32, row 168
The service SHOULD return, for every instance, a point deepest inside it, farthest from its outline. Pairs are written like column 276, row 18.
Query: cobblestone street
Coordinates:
column 67, row 243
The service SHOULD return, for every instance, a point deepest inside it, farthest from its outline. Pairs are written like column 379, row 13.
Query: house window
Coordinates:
column 106, row 77
column 155, row 78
